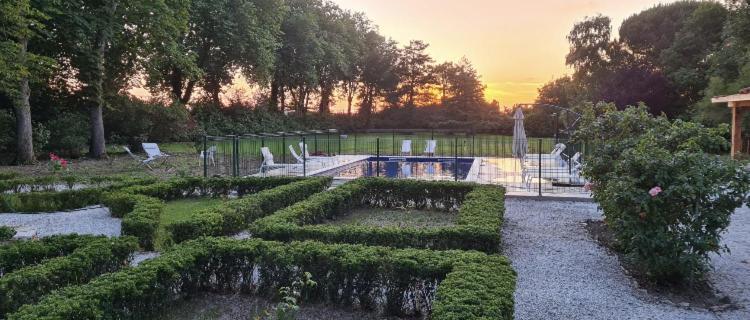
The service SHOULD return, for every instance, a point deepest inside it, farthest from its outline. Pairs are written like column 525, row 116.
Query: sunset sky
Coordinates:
column 517, row 46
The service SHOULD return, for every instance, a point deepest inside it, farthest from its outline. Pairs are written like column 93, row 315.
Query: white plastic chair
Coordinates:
column 209, row 155
column 268, row 162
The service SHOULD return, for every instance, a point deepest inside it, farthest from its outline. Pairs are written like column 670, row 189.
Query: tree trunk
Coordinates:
column 273, row 101
column 325, row 98
column 22, row 110
column 98, row 149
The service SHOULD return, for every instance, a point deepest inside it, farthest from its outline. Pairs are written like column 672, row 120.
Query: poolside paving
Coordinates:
column 564, row 274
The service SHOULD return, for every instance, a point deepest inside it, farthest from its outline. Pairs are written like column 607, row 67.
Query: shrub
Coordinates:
column 236, row 215
column 140, row 207
column 480, row 210
column 6, row 233
column 470, row 285
column 30, row 252
column 665, row 196
column 29, row 284
column 69, row 181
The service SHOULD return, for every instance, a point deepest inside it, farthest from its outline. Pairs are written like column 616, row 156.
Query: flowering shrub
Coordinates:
column 57, row 163
column 664, row 193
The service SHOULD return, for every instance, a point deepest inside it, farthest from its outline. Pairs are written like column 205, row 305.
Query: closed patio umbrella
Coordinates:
column 520, row 143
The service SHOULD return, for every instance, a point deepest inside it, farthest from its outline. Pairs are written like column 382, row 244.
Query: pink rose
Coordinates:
column 655, row 191
column 588, row 186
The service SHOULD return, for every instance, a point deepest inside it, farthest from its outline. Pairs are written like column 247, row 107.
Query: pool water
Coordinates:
column 407, row 168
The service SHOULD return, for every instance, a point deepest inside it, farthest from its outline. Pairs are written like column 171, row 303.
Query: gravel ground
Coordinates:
column 563, row 274
column 95, row 220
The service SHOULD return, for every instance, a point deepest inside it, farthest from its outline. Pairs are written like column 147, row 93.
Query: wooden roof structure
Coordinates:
column 739, row 103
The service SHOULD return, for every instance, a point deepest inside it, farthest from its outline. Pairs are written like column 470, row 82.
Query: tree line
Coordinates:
column 303, row 56
column 672, row 58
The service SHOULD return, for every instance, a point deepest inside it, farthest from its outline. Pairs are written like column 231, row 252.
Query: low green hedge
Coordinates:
column 49, row 183
column 29, row 284
column 236, row 215
column 464, row 284
column 6, row 233
column 141, row 206
column 479, row 208
column 33, row 202
column 8, row 175
column 25, row 253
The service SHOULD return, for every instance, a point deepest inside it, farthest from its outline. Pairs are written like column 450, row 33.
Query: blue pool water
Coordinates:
column 405, row 168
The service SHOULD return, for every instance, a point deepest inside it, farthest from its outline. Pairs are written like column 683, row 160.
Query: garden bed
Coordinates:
column 699, row 294
column 477, row 211
column 386, row 281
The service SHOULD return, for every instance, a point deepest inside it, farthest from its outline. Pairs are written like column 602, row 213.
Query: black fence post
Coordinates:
column 339, row 133
column 315, row 136
column 393, row 142
column 283, row 149
column 539, row 152
column 328, row 144
column 377, row 156
column 455, row 159
column 472, row 145
column 355, row 143
column 205, row 156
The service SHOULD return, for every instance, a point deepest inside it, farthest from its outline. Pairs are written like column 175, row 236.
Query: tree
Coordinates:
column 379, row 76
column 102, row 44
column 223, row 37
column 415, row 71
column 590, row 48
column 18, row 67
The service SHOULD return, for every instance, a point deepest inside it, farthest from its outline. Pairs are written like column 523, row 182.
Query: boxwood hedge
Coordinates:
column 53, row 182
column 480, row 210
column 20, row 254
column 29, row 284
column 47, row 201
column 7, row 233
column 140, row 206
column 440, row 284
column 236, row 215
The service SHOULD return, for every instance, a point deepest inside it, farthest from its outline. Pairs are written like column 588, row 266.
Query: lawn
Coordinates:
column 179, row 210
column 397, row 217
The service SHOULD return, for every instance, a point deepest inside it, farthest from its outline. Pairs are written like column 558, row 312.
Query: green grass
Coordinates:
column 179, row 210
column 395, row 217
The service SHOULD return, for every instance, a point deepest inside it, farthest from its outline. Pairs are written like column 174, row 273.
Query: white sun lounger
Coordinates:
column 301, row 160
column 153, row 152
column 269, row 164
column 306, row 152
column 430, row 146
column 406, row 147
column 209, row 155
column 140, row 160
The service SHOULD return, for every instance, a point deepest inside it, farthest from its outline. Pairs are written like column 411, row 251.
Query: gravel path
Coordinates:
column 95, row 220
column 563, row 274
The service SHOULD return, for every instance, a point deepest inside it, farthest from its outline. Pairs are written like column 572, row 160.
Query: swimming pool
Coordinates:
column 407, row 168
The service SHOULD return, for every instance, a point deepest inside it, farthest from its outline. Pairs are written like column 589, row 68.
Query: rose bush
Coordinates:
column 665, row 191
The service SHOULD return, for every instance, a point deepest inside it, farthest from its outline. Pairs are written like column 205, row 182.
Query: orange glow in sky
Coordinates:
column 516, row 46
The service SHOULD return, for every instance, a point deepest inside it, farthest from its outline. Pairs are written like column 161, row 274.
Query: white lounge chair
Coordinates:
column 153, row 152
column 140, row 160
column 269, row 164
column 301, row 160
column 406, row 147
column 429, row 148
column 209, row 155
column 554, row 154
column 554, row 163
column 306, row 152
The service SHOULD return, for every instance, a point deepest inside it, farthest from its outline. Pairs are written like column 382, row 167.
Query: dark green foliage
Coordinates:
column 29, row 284
column 480, row 211
column 27, row 253
column 140, row 206
column 7, row 175
column 470, row 285
column 6, row 233
column 69, row 134
column 669, row 234
column 64, row 200
column 236, row 215
column 49, row 183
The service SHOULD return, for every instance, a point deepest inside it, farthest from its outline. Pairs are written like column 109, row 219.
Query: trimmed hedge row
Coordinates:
column 140, row 207
column 6, row 233
column 33, row 202
column 8, row 175
column 29, row 284
column 49, row 183
column 466, row 285
column 236, row 215
column 480, row 211
column 21, row 254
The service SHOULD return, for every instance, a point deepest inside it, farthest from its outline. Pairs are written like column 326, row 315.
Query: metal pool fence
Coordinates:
column 550, row 166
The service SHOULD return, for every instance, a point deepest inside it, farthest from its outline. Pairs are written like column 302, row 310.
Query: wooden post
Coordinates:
column 736, row 128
